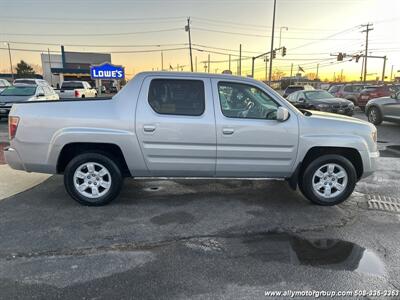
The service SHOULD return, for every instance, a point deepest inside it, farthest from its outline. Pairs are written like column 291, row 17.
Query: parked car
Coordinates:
column 384, row 109
column 350, row 92
column 166, row 124
column 4, row 84
column 334, row 89
column 321, row 100
column 371, row 92
column 77, row 89
column 293, row 88
column 31, row 81
column 24, row 93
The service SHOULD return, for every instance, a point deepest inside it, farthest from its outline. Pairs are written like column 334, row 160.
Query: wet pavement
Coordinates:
column 198, row 239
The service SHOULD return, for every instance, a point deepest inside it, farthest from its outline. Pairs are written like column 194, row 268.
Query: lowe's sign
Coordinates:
column 107, row 71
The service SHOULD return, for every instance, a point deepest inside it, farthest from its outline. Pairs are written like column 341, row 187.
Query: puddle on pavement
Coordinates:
column 152, row 189
column 391, row 151
column 322, row 253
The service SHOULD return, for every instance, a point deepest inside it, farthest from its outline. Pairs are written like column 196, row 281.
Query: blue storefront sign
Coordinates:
column 107, row 71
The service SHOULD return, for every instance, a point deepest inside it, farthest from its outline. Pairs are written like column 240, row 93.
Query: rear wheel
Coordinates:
column 92, row 179
column 374, row 116
column 328, row 180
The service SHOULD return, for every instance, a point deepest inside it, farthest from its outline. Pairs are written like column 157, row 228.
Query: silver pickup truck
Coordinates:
column 193, row 125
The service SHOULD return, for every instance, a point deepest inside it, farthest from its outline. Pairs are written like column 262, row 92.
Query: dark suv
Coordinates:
column 350, row 92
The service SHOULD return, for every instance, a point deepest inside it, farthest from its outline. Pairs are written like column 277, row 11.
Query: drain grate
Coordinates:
column 384, row 203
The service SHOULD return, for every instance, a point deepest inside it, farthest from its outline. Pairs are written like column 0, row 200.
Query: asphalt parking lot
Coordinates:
column 202, row 239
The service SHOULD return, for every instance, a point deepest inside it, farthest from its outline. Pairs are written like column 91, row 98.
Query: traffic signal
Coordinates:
column 283, row 51
column 273, row 53
column 340, row 56
column 357, row 58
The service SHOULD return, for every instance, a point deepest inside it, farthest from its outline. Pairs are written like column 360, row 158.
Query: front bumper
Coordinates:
column 370, row 161
column 13, row 159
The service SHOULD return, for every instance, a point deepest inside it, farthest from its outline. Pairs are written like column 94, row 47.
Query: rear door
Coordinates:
column 250, row 141
column 175, row 125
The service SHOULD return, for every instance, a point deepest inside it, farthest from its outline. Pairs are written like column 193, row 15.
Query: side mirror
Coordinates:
column 302, row 100
column 282, row 114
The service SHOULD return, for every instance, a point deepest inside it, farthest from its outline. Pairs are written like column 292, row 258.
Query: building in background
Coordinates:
column 71, row 66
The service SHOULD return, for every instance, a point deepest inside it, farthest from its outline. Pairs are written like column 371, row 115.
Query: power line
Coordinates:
column 96, row 46
column 266, row 36
column 93, row 34
column 112, row 52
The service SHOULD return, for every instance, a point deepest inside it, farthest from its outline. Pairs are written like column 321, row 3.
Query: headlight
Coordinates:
column 374, row 136
column 351, row 104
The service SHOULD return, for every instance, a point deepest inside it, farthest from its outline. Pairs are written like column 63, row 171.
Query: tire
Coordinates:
column 334, row 181
column 374, row 115
column 93, row 165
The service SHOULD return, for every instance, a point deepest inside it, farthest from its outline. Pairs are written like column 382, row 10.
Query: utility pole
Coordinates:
column 229, row 65
column 208, row 63
column 362, row 69
column 162, row 61
column 240, row 60
column 391, row 73
column 341, row 75
column 291, row 74
column 316, row 76
column 383, row 70
column 9, row 54
column 195, row 64
column 266, row 68
column 51, row 73
column 367, row 30
column 187, row 28
column 272, row 44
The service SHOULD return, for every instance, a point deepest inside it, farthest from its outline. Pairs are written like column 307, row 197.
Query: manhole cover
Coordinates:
column 384, row 203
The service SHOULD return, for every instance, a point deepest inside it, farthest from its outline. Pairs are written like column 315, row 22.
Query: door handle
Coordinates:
column 149, row 128
column 228, row 131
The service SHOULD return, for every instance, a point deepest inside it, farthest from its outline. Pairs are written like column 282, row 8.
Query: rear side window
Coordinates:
column 177, row 97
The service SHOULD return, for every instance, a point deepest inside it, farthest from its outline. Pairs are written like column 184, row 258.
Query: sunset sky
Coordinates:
column 315, row 29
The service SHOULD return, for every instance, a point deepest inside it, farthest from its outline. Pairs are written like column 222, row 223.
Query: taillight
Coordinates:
column 76, row 93
column 12, row 126
column 374, row 94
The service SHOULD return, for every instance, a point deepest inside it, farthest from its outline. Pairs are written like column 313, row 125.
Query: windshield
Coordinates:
column 26, row 81
column 292, row 89
column 71, row 85
column 315, row 95
column 4, row 83
column 19, row 91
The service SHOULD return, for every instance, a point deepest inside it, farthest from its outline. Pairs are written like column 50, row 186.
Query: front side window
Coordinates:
column 177, row 97
column 245, row 101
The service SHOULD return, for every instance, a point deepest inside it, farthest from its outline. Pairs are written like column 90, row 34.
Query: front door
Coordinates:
column 250, row 141
column 175, row 125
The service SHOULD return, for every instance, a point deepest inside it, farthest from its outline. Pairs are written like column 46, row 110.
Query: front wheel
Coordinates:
column 374, row 116
column 92, row 179
column 329, row 180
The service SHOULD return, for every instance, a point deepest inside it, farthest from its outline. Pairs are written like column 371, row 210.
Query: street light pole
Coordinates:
column 272, row 44
column 280, row 34
column 9, row 54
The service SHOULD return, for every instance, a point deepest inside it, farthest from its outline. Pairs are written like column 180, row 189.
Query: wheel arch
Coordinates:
column 352, row 154
column 71, row 150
